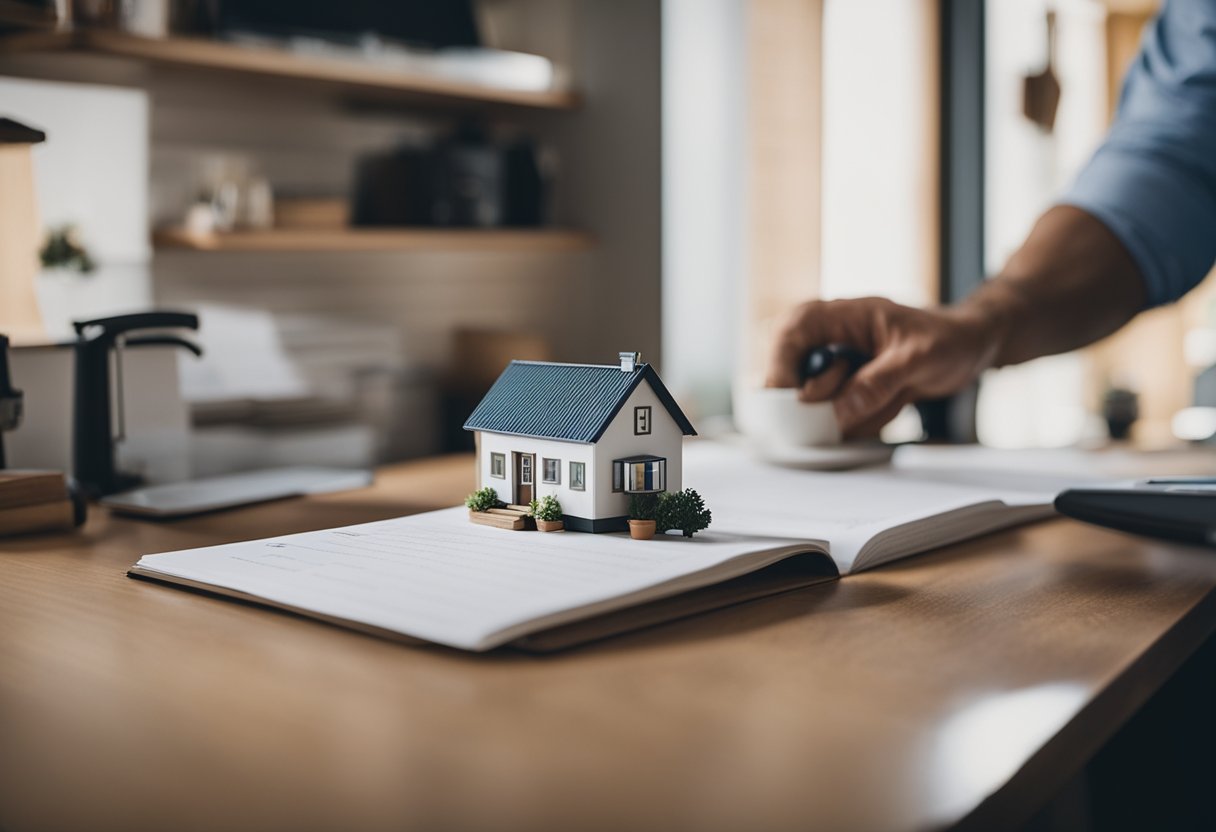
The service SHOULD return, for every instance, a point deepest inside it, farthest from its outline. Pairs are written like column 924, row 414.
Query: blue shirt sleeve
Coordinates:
column 1153, row 182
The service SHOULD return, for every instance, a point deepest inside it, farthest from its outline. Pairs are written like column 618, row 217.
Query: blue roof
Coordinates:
column 574, row 402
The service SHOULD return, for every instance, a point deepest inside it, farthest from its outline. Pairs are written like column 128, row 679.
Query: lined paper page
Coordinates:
column 438, row 577
column 849, row 508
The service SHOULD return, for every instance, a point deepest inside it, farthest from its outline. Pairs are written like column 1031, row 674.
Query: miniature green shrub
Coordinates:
column 483, row 499
column 546, row 508
column 642, row 506
column 683, row 510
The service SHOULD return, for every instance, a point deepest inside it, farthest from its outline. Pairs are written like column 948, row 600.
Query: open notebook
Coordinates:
column 437, row 577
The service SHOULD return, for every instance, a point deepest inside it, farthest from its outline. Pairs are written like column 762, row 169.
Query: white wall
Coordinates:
column 704, row 210
column 576, row 503
column 91, row 172
column 880, row 172
column 665, row 440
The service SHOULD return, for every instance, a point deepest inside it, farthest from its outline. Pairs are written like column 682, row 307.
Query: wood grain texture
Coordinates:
column 209, row 55
column 958, row 688
column 380, row 239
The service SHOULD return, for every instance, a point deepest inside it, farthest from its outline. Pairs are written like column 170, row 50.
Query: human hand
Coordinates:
column 917, row 354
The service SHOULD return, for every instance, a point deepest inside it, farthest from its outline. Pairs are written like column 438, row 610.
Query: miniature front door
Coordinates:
column 525, row 465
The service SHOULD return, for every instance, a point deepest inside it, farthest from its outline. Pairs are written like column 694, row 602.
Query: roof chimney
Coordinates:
column 630, row 361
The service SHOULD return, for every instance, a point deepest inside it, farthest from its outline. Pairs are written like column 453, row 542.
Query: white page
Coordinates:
column 439, row 577
column 848, row 508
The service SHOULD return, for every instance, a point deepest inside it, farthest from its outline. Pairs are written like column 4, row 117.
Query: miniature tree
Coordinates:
column 483, row 499
column 683, row 510
column 546, row 508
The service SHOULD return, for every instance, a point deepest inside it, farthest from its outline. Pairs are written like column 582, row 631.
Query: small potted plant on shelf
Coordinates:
column 548, row 513
column 641, row 516
column 683, row 510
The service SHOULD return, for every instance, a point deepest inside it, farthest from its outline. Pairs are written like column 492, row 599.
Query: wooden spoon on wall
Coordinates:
column 1041, row 92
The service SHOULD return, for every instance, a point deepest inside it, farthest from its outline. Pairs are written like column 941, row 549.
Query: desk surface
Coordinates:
column 962, row 686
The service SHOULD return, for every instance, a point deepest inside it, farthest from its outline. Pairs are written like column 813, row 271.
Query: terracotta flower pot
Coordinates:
column 550, row 525
column 641, row 529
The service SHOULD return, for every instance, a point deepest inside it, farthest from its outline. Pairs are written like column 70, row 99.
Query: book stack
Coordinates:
column 34, row 501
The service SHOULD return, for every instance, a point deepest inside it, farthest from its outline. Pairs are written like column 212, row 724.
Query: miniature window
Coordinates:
column 578, row 476
column 552, row 470
column 525, row 469
column 641, row 421
column 498, row 466
column 640, row 475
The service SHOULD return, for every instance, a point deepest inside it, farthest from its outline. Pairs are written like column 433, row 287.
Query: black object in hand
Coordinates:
column 819, row 360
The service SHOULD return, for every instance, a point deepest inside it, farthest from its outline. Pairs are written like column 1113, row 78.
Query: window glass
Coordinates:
column 552, row 470
column 645, row 475
column 525, row 470
column 498, row 465
column 578, row 476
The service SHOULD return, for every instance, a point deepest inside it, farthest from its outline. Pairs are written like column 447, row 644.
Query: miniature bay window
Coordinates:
column 644, row 474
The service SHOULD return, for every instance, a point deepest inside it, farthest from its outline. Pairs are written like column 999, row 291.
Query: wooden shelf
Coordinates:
column 380, row 239
column 194, row 53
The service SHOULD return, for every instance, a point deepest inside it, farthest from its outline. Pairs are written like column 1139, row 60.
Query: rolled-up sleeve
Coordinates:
column 1153, row 182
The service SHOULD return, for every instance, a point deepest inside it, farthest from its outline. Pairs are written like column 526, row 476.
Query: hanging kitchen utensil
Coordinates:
column 1041, row 92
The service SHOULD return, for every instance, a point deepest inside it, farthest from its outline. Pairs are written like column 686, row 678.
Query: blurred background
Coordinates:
column 374, row 206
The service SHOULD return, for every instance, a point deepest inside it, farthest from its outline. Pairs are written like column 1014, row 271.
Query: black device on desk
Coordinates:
column 10, row 399
column 821, row 359
column 92, row 426
column 1178, row 508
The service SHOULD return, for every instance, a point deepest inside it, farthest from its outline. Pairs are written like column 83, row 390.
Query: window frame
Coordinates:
column 498, row 461
column 643, row 414
column 557, row 470
column 582, row 481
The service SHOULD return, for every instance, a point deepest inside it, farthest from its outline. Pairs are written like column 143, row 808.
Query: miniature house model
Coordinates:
column 589, row 435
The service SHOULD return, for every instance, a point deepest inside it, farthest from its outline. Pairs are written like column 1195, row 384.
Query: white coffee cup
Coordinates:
column 775, row 416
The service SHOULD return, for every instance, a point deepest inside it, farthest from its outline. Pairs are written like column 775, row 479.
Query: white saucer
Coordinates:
column 825, row 457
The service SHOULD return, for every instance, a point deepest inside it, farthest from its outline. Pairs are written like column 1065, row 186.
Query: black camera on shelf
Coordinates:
column 464, row 180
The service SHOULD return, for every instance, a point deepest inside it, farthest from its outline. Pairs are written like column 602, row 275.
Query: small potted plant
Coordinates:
column 483, row 499
column 548, row 513
column 642, row 516
column 683, row 510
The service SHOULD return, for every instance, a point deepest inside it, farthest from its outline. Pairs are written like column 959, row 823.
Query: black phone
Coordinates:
column 1176, row 508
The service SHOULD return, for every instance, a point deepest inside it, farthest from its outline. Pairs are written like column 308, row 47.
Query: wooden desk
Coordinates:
column 959, row 688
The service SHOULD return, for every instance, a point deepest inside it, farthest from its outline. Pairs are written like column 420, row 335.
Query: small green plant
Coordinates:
column 683, row 510
column 483, row 499
column 64, row 250
column 642, row 506
column 546, row 508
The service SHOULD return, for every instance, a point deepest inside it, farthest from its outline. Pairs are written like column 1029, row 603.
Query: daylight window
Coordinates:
column 640, row 475
column 498, row 466
column 552, row 471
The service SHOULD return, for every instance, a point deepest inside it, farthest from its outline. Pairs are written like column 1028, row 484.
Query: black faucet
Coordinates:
column 92, row 428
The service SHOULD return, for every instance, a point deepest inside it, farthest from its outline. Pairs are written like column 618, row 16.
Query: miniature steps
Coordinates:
column 513, row 518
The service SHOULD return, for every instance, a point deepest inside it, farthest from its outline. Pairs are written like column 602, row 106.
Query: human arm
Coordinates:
column 1137, row 229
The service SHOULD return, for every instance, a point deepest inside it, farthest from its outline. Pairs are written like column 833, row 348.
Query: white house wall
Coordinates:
column 577, row 503
column 665, row 440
